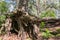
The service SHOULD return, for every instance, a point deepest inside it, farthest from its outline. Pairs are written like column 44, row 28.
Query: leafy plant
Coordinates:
column 48, row 13
column 2, row 19
column 42, row 24
column 46, row 34
column 3, row 10
column 3, row 7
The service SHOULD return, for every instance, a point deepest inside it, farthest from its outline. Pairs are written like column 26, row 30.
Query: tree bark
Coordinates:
column 24, row 21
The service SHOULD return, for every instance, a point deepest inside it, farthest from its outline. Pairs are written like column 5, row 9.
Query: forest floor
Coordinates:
column 14, row 37
column 53, row 28
column 11, row 37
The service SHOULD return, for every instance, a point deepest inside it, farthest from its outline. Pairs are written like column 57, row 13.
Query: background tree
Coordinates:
column 3, row 11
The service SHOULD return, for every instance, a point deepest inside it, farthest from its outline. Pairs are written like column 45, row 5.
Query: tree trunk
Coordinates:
column 22, row 6
column 25, row 24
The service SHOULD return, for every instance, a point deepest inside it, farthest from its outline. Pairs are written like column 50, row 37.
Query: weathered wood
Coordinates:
column 53, row 29
column 28, row 21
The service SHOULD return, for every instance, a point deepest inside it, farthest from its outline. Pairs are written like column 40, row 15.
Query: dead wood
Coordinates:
column 29, row 24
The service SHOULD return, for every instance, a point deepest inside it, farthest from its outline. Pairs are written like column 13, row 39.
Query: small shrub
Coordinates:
column 42, row 24
column 48, row 13
column 46, row 34
column 2, row 19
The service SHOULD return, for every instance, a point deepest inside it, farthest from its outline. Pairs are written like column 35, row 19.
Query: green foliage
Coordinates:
column 2, row 19
column 3, row 10
column 42, row 24
column 46, row 34
column 3, row 7
column 48, row 13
